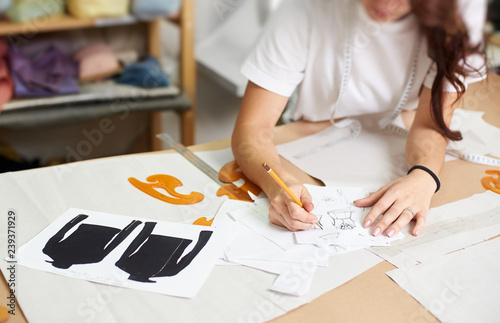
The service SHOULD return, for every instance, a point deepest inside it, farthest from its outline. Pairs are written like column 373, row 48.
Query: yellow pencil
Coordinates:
column 285, row 188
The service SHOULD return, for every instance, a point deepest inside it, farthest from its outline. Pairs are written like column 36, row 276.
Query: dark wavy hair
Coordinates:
column 448, row 43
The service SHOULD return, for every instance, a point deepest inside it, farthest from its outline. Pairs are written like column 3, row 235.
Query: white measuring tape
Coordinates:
column 354, row 125
column 474, row 158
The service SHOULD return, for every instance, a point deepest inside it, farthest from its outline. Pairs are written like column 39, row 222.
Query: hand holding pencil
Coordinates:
column 297, row 201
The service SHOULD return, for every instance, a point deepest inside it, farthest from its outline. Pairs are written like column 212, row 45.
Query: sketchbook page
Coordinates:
column 371, row 160
column 449, row 227
column 161, row 257
column 459, row 287
column 341, row 219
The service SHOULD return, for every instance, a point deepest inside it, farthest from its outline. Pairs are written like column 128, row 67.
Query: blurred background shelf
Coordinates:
column 100, row 99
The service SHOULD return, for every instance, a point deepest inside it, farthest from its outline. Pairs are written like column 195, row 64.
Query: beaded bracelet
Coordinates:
column 430, row 172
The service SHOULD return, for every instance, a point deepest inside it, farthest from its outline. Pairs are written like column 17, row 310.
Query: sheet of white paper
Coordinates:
column 103, row 185
column 272, row 267
column 256, row 218
column 231, row 293
column 459, row 287
column 341, row 219
column 77, row 257
column 248, row 246
column 449, row 228
column 479, row 137
column 371, row 160
column 294, row 282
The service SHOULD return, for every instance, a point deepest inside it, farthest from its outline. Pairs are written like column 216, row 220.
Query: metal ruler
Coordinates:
column 191, row 157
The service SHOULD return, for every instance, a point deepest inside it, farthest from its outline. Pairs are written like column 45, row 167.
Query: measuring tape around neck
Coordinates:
column 354, row 125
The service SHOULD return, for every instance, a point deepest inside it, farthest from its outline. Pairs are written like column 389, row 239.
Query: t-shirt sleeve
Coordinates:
column 473, row 13
column 278, row 61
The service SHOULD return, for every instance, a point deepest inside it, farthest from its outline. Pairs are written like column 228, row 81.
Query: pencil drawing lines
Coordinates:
column 340, row 211
column 342, row 220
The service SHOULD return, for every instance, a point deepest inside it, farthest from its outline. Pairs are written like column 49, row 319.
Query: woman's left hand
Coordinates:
column 399, row 202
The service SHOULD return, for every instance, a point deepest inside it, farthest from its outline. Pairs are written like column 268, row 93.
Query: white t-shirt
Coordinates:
column 303, row 44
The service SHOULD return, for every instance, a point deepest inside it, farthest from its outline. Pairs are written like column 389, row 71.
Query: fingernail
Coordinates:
column 417, row 232
column 376, row 231
column 367, row 223
column 390, row 233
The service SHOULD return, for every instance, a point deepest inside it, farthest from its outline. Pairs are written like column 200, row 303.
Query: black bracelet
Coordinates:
column 430, row 172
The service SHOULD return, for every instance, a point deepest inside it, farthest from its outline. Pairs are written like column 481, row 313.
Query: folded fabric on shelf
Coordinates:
column 98, row 8
column 147, row 74
column 49, row 73
column 155, row 8
column 97, row 62
column 5, row 5
column 26, row 10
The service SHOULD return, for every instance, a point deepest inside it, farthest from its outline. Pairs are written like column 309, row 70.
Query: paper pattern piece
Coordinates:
column 479, row 137
column 345, row 163
column 162, row 257
column 449, row 227
column 459, row 287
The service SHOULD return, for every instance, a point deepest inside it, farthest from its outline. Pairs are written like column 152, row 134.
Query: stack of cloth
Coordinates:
column 96, row 62
column 28, row 10
column 147, row 74
column 150, row 9
column 50, row 72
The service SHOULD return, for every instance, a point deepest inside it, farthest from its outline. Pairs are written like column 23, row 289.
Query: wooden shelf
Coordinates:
column 23, row 113
column 104, row 91
column 67, row 22
column 67, row 114
column 59, row 23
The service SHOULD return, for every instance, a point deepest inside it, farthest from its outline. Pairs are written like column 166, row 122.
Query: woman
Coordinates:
column 355, row 57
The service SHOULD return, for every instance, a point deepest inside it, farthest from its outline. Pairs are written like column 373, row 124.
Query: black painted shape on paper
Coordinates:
column 151, row 255
column 89, row 243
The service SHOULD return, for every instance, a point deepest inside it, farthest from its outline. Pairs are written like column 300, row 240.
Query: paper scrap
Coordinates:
column 459, row 287
column 449, row 227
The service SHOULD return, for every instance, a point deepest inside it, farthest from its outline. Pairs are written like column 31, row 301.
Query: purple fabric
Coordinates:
column 49, row 73
column 69, row 85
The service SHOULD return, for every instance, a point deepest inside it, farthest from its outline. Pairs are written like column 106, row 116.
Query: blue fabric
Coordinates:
column 155, row 7
column 147, row 74
column 4, row 5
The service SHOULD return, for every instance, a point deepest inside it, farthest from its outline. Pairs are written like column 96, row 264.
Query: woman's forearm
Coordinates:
column 252, row 139
column 425, row 145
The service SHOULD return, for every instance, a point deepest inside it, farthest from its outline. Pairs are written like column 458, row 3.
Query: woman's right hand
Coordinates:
column 286, row 213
